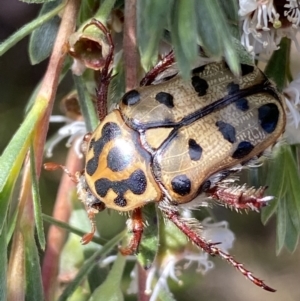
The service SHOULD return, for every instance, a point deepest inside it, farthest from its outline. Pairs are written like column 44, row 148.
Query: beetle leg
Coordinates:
column 190, row 229
column 135, row 224
column 105, row 73
column 240, row 197
column 51, row 166
column 86, row 238
column 160, row 67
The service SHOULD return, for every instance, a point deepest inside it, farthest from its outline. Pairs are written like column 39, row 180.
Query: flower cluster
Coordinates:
column 74, row 130
column 265, row 22
column 292, row 98
column 174, row 261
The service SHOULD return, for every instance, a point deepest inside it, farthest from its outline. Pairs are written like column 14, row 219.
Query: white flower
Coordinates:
column 293, row 13
column 292, row 93
column 75, row 130
column 173, row 263
column 257, row 16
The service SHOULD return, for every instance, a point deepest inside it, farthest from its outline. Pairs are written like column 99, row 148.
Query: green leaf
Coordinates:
column 42, row 39
column 268, row 211
column 36, row 201
column 3, row 264
column 86, row 104
column 293, row 189
column 13, row 156
column 98, row 274
column 111, row 287
column 292, row 233
column 117, row 85
column 244, row 56
column 87, row 8
column 11, row 224
column 183, row 33
column 74, row 230
column 214, row 33
column 210, row 38
column 230, row 9
column 278, row 65
column 281, row 225
column 276, row 182
column 170, row 237
column 89, row 265
column 28, row 28
column 149, row 244
column 152, row 19
column 71, row 256
column 104, row 10
column 34, row 287
column 8, row 184
column 5, row 197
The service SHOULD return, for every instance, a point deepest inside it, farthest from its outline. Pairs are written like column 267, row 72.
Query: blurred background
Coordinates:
column 254, row 245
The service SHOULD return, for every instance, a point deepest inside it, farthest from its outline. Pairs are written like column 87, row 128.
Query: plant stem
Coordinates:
column 131, row 59
column 142, row 277
column 50, row 82
column 57, row 236
column 131, row 56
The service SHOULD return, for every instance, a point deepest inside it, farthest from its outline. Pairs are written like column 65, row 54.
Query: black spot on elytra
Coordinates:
column 246, row 69
column 165, row 99
column 232, row 88
column 200, row 85
column 117, row 160
column 91, row 145
column 137, row 183
column 244, row 148
column 120, row 201
column 102, row 186
column 227, row 130
column 131, row 98
column 242, row 104
column 181, row 185
column 198, row 69
column 195, row 150
column 268, row 115
column 109, row 131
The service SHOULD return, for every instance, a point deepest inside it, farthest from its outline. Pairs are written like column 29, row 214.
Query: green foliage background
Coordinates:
column 214, row 25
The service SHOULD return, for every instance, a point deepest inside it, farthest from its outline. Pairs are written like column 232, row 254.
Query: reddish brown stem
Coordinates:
column 57, row 236
column 131, row 59
column 49, row 84
column 45, row 98
column 131, row 56
column 142, row 277
column 211, row 248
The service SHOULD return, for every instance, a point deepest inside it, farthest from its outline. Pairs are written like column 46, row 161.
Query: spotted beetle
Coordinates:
column 171, row 141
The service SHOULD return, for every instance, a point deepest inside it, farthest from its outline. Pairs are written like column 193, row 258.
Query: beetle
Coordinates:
column 174, row 140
